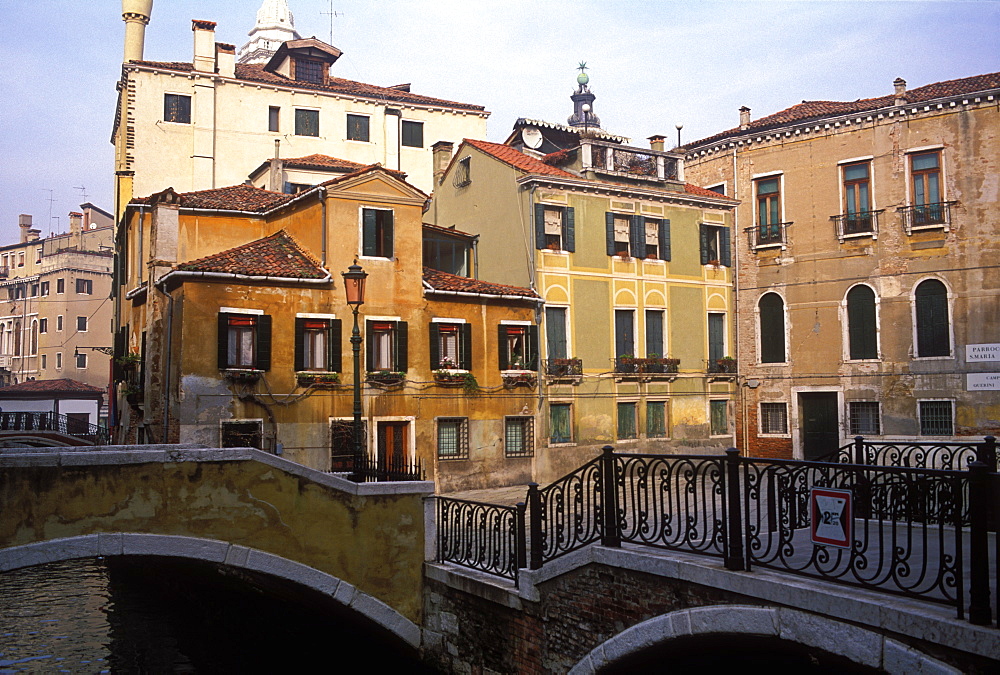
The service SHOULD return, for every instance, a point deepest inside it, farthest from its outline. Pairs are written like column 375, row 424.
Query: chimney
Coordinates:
column 656, row 142
column 441, row 154
column 899, row 87
column 135, row 14
column 75, row 222
column 204, row 45
column 744, row 118
column 24, row 222
column 225, row 59
column 276, row 175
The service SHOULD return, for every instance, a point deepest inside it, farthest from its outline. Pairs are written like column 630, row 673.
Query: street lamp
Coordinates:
column 354, row 285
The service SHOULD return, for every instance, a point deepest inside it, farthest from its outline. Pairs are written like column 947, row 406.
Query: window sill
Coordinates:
column 874, row 360
column 778, row 244
column 355, row 140
column 375, row 257
column 858, row 235
column 929, row 226
column 567, row 444
column 949, row 357
column 763, row 435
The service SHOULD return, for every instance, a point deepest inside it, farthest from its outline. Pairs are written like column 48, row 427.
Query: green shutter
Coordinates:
column 531, row 347
column 861, row 323
column 402, row 340
column 369, row 346
column 933, row 327
column 334, row 340
column 300, row 333
column 223, row 340
column 609, row 224
column 555, row 331
column 465, row 355
column 369, row 243
column 664, row 239
column 435, row 345
column 772, row 328
column 637, row 235
column 654, row 333
column 263, row 342
column 703, row 232
column 569, row 229
column 503, row 358
column 539, row 226
column 724, row 252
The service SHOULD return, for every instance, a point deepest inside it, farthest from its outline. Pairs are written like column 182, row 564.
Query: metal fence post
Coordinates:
column 859, row 450
column 980, row 613
column 535, row 523
column 734, row 527
column 520, row 538
column 610, row 531
column 986, row 452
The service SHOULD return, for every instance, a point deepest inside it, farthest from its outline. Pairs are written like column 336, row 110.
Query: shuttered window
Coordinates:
column 450, row 346
column 772, row 328
column 555, row 332
column 555, row 228
column 517, row 347
column 626, row 421
column 560, row 429
column 386, row 346
column 624, row 332
column 317, row 344
column 654, row 334
column 376, row 233
column 933, row 330
column 656, row 419
column 244, row 341
column 861, row 327
column 715, row 248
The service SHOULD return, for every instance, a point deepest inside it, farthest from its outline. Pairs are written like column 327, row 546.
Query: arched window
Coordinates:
column 17, row 338
column 862, row 332
column 933, row 330
column 772, row 328
column 33, row 345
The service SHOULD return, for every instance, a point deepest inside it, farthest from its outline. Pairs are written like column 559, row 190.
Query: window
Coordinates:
column 771, row 319
column 81, row 324
column 306, row 122
column 768, row 211
column 857, row 198
column 519, row 436
column 85, row 286
column 376, row 233
column 33, row 291
column 357, row 128
column 60, row 285
column 342, row 444
column 626, row 421
column 655, row 347
column 177, row 108
column 555, row 227
column 656, row 419
column 715, row 245
column 453, row 438
column 317, row 344
column 518, row 347
column 863, row 418
column 33, row 337
column 657, row 238
column 451, row 345
column 413, row 134
column 618, row 229
column 45, row 362
column 386, row 346
column 43, row 325
column 273, row 118
column 925, row 172
column 933, row 328
column 45, row 288
column 20, row 259
column 720, row 188
column 560, row 426
column 307, row 70
column 463, row 172
column 638, row 236
column 555, row 332
column 716, row 337
column 81, row 361
column 773, row 418
column 625, row 332
column 242, row 434
column 38, row 256
column 936, row 418
column 59, row 360
column 862, row 334
column 719, row 417
column 59, row 322
column 244, row 341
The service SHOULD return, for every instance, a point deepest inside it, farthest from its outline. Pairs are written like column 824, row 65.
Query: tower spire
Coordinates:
column 275, row 25
column 583, row 102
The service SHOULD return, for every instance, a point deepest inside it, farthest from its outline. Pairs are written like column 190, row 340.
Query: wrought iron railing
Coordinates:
column 50, row 421
column 916, row 454
column 375, row 468
column 857, row 223
column 566, row 515
column 485, row 537
column 631, row 365
column 620, row 160
column 934, row 215
column 564, row 367
column 771, row 234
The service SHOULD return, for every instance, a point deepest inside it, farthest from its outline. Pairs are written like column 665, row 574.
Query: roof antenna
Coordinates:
column 332, row 14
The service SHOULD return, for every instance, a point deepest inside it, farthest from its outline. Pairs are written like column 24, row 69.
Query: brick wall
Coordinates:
column 760, row 446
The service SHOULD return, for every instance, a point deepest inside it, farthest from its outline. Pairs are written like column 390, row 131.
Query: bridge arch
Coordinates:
column 862, row 646
column 217, row 552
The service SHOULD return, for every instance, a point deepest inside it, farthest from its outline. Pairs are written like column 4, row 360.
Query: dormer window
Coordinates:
column 307, row 70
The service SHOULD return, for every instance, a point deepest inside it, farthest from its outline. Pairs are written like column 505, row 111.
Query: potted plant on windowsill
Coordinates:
column 727, row 364
column 128, row 361
column 449, row 378
column 132, row 394
column 526, row 379
column 625, row 363
column 386, row 376
column 243, row 375
column 317, row 379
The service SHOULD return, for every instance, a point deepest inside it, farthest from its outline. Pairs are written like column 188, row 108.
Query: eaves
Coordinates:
column 627, row 191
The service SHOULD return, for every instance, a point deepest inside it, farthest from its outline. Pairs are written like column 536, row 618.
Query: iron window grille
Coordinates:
column 936, row 418
column 773, row 418
column 519, row 436
column 453, row 438
column 864, row 418
column 357, row 128
column 242, row 434
column 177, row 108
column 306, row 122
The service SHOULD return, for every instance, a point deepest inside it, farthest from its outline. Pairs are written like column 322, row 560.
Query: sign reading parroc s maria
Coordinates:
column 985, row 352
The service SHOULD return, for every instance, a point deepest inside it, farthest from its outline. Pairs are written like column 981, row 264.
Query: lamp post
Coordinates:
column 354, row 285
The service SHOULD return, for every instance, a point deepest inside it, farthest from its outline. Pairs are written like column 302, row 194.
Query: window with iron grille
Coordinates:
column 342, row 444
column 773, row 418
column 177, row 108
column 519, row 436
column 463, row 172
column 768, row 211
column 864, row 418
column 413, row 134
column 925, row 172
column 307, row 70
column 306, row 122
column 242, row 434
column 656, row 419
column 719, row 414
column 357, row 128
column 936, row 418
column 453, row 438
column 560, row 423
column 626, row 421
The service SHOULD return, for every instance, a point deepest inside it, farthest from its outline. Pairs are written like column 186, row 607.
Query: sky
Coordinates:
column 653, row 64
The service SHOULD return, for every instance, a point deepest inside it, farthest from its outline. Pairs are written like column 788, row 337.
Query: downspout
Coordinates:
column 322, row 201
column 475, row 257
column 166, row 369
column 529, row 243
column 736, row 306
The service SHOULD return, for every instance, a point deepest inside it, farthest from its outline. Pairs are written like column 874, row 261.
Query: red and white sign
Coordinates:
column 832, row 517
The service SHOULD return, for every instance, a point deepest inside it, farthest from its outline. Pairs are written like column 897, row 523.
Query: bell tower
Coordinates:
column 275, row 26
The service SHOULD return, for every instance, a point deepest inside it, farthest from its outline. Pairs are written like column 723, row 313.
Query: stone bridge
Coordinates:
column 360, row 544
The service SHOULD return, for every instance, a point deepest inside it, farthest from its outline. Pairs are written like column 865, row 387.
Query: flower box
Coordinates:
column 387, row 377
column 324, row 379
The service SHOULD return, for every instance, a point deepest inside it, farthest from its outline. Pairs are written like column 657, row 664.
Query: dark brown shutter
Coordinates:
column 335, row 346
column 402, row 340
column 465, row 354
column 503, row 357
column 223, row 340
column 435, row 345
column 263, row 342
column 300, row 334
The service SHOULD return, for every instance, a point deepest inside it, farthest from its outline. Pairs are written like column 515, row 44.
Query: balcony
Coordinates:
column 857, row 224
column 648, row 367
column 564, row 368
column 725, row 365
column 771, row 235
column 4, row 272
column 624, row 161
column 926, row 216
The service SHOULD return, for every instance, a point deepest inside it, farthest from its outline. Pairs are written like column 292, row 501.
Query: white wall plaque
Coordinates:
column 982, row 381
column 986, row 352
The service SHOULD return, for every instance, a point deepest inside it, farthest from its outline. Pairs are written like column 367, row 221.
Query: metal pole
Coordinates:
column 356, row 348
column 979, row 572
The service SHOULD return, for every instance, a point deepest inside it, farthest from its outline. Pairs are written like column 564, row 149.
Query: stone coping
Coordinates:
column 165, row 454
column 930, row 622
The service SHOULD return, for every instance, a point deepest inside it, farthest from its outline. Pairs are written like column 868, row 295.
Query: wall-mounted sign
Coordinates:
column 986, row 352
column 982, row 381
column 832, row 517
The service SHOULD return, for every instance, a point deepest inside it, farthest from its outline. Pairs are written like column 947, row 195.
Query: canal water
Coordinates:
column 146, row 615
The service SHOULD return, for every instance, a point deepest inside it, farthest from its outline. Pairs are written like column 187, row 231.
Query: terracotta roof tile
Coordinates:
column 60, row 386
column 254, row 72
column 442, row 281
column 233, row 198
column 808, row 110
column 702, row 192
column 517, row 159
column 449, row 230
column 318, row 161
column 278, row 255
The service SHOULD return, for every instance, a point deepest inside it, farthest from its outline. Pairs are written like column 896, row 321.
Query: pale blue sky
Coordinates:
column 653, row 64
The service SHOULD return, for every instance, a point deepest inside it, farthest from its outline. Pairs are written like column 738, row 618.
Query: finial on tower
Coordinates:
column 583, row 102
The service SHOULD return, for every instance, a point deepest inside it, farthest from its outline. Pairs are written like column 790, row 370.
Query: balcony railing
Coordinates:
column 857, row 224
column 622, row 160
column 770, row 235
column 630, row 365
column 49, row 421
column 926, row 216
column 564, row 367
column 4, row 272
column 724, row 365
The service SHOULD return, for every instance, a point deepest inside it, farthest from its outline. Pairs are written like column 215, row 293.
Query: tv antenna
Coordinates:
column 83, row 192
column 332, row 14
column 52, row 200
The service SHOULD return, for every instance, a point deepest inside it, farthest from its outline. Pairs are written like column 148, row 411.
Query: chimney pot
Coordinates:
column 899, row 89
column 656, row 142
column 744, row 118
column 204, row 45
column 441, row 156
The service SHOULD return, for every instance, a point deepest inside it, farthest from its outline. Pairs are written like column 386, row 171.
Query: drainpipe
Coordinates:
column 166, row 370
column 736, row 306
column 475, row 257
column 322, row 227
